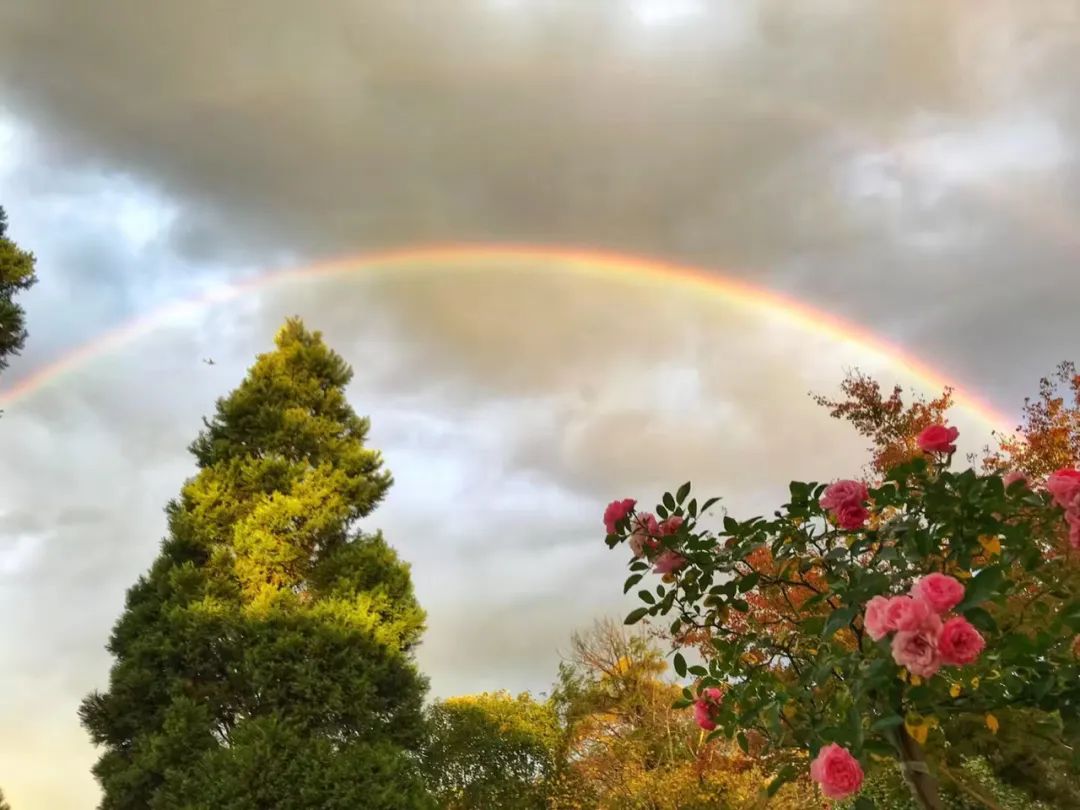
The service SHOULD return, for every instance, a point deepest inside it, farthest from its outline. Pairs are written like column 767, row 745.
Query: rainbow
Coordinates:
column 495, row 256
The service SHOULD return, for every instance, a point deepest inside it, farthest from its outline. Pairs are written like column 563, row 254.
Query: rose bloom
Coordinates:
column 1074, row 529
column 639, row 542
column 851, row 516
column 837, row 771
column 940, row 591
column 959, row 643
column 643, row 528
column 917, row 650
column 1064, row 486
column 670, row 526
column 617, row 511
column 905, row 613
column 705, row 708
column 842, row 493
column 669, row 562
column 876, row 619
column 938, row 439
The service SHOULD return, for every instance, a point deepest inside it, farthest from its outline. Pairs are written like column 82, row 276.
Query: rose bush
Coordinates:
column 885, row 612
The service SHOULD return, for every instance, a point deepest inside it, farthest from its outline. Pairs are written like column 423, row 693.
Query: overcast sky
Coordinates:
column 908, row 166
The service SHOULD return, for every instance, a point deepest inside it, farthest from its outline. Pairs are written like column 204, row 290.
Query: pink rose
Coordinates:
column 706, row 708
column 617, row 511
column 938, row 439
column 837, row 771
column 851, row 516
column 1074, row 529
column 918, row 650
column 907, row 614
column 670, row 526
column 940, row 591
column 639, row 542
column 669, row 562
column 1011, row 478
column 842, row 493
column 876, row 619
column 844, row 500
column 643, row 530
column 959, row 643
column 1064, row 486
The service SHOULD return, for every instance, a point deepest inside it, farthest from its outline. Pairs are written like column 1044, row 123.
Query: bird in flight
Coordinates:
column 209, row 361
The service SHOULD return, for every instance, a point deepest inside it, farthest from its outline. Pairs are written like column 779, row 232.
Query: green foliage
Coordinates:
column 1027, row 753
column 270, row 636
column 972, row 785
column 781, row 601
column 270, row 765
column 16, row 275
column 491, row 751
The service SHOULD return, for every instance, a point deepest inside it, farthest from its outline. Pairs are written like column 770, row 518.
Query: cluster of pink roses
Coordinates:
column 1064, row 488
column 923, row 642
column 645, row 534
column 845, row 501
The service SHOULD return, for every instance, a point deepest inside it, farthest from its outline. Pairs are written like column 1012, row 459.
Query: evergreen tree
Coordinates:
column 16, row 274
column 265, row 661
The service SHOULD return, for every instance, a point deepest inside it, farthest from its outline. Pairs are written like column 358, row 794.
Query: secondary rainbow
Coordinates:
column 495, row 257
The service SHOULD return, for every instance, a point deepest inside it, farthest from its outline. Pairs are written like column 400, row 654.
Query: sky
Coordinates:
column 908, row 167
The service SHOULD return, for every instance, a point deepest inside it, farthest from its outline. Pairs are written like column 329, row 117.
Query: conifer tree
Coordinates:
column 16, row 275
column 265, row 661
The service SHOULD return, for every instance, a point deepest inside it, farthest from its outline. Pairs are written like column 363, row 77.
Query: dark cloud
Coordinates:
column 712, row 135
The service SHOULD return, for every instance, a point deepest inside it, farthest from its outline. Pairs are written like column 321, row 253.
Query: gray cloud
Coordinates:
column 717, row 136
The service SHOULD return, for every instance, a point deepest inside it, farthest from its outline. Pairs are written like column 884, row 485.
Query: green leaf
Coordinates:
column 684, row 490
column 885, row 723
column 636, row 616
column 692, row 508
column 743, row 742
column 646, row 596
column 748, row 582
column 864, row 803
column 631, row 581
column 839, row 618
column 983, row 585
column 981, row 619
column 731, row 526
column 1070, row 614
column 786, row 775
column 680, row 665
column 879, row 747
column 669, row 501
column 707, row 504
column 740, row 605
column 813, row 625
